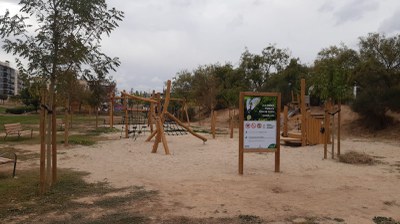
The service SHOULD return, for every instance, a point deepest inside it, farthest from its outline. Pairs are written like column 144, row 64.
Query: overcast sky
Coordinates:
column 159, row 38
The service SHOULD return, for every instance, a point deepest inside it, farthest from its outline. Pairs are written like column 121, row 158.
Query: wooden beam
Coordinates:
column 126, row 117
column 339, row 126
column 42, row 130
column 167, row 97
column 186, row 127
column 213, row 123
column 303, row 113
column 124, row 94
column 285, row 121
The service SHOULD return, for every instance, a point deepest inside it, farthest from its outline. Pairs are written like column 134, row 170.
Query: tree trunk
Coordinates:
column 66, row 124
column 97, row 117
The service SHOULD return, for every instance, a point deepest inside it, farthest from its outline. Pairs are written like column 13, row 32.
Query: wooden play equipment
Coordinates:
column 314, row 128
column 309, row 125
column 158, row 115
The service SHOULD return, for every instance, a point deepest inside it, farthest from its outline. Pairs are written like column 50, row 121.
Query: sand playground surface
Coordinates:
column 201, row 180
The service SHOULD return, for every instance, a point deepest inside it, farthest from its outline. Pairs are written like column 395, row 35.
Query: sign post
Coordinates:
column 259, row 130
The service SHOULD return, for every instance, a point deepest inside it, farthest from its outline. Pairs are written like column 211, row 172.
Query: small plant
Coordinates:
column 250, row 219
column 80, row 140
column 384, row 220
column 20, row 110
column 353, row 157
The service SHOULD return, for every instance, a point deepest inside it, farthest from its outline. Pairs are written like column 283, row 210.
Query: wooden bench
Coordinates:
column 15, row 129
column 4, row 159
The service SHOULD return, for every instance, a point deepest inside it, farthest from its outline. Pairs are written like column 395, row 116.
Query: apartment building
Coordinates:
column 9, row 82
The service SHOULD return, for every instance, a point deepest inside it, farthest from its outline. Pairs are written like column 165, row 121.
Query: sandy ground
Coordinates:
column 202, row 180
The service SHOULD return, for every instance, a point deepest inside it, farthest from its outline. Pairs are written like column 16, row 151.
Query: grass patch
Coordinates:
column 384, row 220
column 2, row 110
column 85, row 140
column 26, row 119
column 353, row 157
column 20, row 198
column 250, row 219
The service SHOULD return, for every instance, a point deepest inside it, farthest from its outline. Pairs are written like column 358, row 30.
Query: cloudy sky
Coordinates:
column 159, row 38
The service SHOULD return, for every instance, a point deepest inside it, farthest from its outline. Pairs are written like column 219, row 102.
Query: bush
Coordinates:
column 353, row 157
column 20, row 110
column 372, row 105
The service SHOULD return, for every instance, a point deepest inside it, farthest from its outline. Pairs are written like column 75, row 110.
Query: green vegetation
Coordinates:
column 374, row 68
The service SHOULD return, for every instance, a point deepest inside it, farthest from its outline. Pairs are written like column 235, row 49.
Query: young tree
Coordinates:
column 65, row 36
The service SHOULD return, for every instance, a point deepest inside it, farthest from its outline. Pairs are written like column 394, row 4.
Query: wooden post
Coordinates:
column 160, row 137
column 48, row 144
column 241, row 133
column 333, row 136
column 157, row 140
column 160, row 121
column 126, row 116
column 42, row 132
column 230, row 123
column 339, row 126
column 278, row 137
column 213, row 123
column 285, row 121
column 326, row 128
column 158, row 97
column 66, row 124
column 167, row 97
column 303, row 113
column 186, row 112
column 150, row 117
column 111, row 119
column 54, row 141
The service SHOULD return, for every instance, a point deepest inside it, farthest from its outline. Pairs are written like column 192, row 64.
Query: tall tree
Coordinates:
column 288, row 80
column 378, row 78
column 259, row 68
column 65, row 36
column 333, row 72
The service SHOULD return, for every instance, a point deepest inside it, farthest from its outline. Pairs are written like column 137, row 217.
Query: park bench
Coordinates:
column 15, row 129
column 4, row 159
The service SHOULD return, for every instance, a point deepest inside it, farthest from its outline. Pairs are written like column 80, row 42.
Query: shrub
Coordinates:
column 20, row 110
column 353, row 157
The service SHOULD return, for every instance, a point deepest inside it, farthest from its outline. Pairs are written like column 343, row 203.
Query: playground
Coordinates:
column 200, row 180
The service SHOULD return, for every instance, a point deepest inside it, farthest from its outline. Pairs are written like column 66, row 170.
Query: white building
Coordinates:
column 9, row 81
